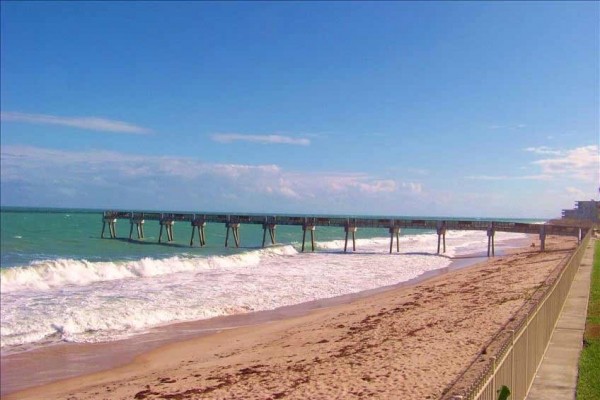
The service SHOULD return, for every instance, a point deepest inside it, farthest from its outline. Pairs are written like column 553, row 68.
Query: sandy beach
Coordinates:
column 410, row 342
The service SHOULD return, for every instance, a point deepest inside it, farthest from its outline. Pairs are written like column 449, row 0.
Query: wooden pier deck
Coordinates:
column 232, row 223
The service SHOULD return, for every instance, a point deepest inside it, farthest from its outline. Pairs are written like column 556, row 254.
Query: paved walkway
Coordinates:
column 557, row 376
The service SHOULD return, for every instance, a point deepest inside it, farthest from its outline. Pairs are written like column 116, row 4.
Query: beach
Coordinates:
column 409, row 342
column 291, row 200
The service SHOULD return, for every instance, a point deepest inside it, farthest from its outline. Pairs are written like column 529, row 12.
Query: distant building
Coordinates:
column 585, row 210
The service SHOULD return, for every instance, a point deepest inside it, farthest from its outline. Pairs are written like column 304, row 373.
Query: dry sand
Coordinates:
column 407, row 343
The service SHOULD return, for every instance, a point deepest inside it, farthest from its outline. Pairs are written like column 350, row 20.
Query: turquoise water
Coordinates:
column 37, row 234
column 40, row 234
column 31, row 236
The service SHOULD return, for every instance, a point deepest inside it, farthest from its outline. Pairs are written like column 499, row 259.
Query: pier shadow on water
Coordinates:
column 152, row 243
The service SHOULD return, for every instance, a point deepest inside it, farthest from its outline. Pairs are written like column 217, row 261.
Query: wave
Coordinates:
column 48, row 274
column 56, row 273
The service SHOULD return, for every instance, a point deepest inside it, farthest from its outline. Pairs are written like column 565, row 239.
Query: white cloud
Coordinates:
column 381, row 186
column 143, row 176
column 543, row 150
column 354, row 183
column 413, row 187
column 507, row 126
column 508, row 177
column 581, row 163
column 130, row 165
column 263, row 139
column 87, row 123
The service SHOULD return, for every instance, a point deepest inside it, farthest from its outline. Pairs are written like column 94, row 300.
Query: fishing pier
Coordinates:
column 232, row 223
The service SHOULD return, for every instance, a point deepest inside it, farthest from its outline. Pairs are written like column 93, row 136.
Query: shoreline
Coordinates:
column 45, row 365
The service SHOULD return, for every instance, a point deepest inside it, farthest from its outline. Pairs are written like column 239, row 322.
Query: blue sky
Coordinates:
column 396, row 108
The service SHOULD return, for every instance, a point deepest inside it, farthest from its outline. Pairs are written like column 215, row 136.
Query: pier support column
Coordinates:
column 490, row 233
column 235, row 230
column 271, row 229
column 112, row 230
column 103, row 228
column 394, row 232
column 310, row 228
column 140, row 229
column 139, row 226
column 350, row 229
column 168, row 225
column 542, row 238
column 441, row 232
column 198, row 224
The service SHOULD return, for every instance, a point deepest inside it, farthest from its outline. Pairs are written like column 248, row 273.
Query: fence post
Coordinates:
column 494, row 376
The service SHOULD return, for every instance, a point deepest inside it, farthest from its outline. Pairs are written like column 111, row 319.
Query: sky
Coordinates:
column 461, row 109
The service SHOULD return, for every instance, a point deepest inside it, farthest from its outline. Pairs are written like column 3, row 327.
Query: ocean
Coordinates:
column 61, row 282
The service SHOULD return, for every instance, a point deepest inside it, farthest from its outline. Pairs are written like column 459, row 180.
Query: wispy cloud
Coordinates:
column 414, row 187
column 582, row 163
column 507, row 126
column 263, row 139
column 345, row 183
column 237, row 186
column 17, row 158
column 87, row 123
column 508, row 177
column 543, row 150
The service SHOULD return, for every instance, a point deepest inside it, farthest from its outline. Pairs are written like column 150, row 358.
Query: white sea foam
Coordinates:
column 82, row 301
column 49, row 274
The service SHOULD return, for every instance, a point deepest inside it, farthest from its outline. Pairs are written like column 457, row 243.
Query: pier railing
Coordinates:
column 309, row 223
column 513, row 357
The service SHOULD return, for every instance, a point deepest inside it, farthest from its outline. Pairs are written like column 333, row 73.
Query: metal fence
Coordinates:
column 519, row 351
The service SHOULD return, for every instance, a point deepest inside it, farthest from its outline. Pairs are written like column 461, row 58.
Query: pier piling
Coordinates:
column 112, row 230
column 235, row 233
column 542, row 238
column 350, row 229
column 394, row 231
column 271, row 229
column 441, row 232
column 167, row 223
column 198, row 224
column 103, row 228
column 490, row 234
column 139, row 225
column 311, row 228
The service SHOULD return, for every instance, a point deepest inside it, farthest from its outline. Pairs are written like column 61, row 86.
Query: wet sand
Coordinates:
column 392, row 342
